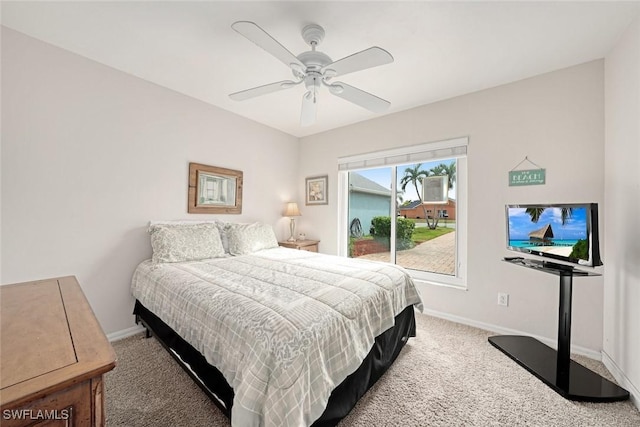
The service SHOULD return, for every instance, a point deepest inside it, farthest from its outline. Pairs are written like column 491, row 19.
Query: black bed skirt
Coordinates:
column 344, row 397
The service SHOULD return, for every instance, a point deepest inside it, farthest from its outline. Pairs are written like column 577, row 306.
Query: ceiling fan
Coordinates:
column 315, row 69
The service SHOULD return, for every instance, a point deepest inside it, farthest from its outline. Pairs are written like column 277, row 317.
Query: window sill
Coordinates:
column 444, row 281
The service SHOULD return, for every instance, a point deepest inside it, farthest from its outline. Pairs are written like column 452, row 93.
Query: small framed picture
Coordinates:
column 316, row 190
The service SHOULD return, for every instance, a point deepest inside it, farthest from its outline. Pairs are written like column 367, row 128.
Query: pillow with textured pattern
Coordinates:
column 248, row 238
column 178, row 242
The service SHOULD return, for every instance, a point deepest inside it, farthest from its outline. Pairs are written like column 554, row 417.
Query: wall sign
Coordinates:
column 523, row 177
column 527, row 177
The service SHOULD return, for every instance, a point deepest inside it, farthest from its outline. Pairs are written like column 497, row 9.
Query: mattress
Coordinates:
column 283, row 326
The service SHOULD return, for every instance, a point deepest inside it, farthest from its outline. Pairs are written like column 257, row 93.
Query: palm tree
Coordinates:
column 399, row 197
column 536, row 213
column 444, row 169
column 414, row 175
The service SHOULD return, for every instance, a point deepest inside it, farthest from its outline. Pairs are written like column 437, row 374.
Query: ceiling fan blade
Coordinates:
column 368, row 58
column 309, row 109
column 261, row 38
column 262, row 90
column 359, row 97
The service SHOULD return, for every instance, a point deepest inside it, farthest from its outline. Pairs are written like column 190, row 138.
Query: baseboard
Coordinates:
column 118, row 335
column 590, row 353
column 621, row 378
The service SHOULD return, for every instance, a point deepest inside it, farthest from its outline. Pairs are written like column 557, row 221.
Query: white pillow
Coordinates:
column 248, row 238
column 221, row 227
column 177, row 242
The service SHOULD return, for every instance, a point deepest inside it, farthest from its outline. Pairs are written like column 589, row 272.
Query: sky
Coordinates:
column 520, row 224
column 383, row 177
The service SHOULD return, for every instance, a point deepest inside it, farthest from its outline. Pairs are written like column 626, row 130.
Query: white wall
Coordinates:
column 622, row 198
column 91, row 154
column 557, row 120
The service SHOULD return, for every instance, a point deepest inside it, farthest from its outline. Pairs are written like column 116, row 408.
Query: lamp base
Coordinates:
column 292, row 228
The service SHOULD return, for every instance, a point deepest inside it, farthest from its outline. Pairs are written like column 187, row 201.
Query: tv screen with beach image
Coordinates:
column 560, row 231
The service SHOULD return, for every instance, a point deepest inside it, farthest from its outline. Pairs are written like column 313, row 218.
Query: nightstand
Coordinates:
column 303, row 245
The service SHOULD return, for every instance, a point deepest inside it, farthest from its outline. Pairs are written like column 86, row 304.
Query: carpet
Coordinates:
column 449, row 375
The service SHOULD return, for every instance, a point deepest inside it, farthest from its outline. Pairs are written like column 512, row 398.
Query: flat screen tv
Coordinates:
column 564, row 232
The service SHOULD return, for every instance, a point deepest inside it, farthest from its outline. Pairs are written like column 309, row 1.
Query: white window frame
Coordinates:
column 429, row 152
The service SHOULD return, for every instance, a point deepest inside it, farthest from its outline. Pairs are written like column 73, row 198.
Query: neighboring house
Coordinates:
column 414, row 210
column 367, row 199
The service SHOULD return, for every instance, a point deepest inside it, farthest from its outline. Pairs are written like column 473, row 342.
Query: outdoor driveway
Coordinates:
column 436, row 255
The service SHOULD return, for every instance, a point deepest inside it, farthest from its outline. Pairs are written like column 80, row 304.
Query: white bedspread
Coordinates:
column 284, row 326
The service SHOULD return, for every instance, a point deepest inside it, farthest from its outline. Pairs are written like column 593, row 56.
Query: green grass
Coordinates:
column 420, row 235
column 423, row 234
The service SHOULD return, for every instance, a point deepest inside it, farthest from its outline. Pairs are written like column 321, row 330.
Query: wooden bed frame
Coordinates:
column 344, row 397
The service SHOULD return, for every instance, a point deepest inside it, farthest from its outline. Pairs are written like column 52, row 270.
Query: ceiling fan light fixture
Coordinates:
column 312, row 82
column 315, row 69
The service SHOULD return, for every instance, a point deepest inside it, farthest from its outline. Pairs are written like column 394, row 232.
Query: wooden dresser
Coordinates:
column 53, row 355
column 304, row 245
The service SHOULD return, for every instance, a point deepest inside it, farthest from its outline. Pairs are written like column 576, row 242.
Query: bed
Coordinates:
column 275, row 336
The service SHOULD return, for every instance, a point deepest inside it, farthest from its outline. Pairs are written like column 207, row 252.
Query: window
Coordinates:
column 408, row 206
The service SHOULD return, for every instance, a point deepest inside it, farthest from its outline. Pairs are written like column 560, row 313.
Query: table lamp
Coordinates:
column 291, row 211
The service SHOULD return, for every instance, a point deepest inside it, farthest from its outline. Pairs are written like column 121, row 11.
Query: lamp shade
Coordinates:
column 292, row 209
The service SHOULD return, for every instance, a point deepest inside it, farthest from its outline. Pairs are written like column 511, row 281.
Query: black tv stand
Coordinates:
column 548, row 265
column 555, row 368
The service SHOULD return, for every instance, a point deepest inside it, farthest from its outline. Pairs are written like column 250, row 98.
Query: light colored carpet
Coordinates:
column 449, row 375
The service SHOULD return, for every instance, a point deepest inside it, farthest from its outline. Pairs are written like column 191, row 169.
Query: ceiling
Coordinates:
column 441, row 49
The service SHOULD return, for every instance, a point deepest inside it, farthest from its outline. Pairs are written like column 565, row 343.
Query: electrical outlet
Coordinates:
column 503, row 299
